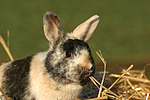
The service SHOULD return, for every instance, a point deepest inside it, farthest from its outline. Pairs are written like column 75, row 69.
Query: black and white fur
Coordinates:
column 56, row 74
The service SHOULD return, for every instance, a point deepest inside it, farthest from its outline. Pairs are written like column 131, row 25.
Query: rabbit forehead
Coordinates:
column 74, row 45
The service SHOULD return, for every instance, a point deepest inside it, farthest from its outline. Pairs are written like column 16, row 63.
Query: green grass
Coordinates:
column 122, row 35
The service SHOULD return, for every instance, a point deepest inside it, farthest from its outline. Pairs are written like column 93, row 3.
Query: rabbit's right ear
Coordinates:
column 52, row 27
column 86, row 29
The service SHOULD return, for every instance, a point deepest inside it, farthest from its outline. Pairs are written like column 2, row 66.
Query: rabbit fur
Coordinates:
column 56, row 74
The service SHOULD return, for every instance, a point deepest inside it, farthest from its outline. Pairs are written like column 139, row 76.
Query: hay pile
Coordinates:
column 134, row 85
column 128, row 85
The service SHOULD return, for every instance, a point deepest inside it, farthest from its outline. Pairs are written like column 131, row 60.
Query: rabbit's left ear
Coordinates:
column 86, row 29
column 52, row 27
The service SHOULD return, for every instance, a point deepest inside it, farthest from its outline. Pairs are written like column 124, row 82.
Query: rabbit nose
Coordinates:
column 91, row 69
column 88, row 67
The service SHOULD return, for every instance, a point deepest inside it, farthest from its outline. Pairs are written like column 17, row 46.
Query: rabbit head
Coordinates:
column 69, row 58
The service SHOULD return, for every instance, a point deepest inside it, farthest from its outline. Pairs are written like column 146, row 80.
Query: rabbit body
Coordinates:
column 56, row 74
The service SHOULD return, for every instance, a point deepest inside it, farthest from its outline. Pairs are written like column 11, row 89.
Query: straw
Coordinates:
column 6, row 48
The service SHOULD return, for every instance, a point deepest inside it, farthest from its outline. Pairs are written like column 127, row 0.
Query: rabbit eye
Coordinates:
column 68, row 54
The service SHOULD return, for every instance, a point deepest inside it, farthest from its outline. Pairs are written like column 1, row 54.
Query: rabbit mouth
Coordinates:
column 84, row 76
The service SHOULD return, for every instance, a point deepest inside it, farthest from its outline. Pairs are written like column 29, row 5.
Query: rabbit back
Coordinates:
column 15, row 77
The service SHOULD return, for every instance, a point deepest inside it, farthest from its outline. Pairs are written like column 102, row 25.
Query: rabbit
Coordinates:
column 56, row 74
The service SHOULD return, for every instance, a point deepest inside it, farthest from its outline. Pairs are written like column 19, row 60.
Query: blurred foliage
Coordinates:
column 122, row 35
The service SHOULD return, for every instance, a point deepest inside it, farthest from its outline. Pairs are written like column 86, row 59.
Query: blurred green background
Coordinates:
column 123, row 34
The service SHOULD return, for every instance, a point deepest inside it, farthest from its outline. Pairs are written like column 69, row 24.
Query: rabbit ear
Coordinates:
column 52, row 27
column 86, row 29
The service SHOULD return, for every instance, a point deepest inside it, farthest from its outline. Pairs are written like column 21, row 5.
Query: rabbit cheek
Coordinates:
column 77, row 74
column 85, row 66
column 83, row 75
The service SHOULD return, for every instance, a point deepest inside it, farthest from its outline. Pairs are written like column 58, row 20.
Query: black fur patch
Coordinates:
column 16, row 78
column 55, row 72
column 71, row 45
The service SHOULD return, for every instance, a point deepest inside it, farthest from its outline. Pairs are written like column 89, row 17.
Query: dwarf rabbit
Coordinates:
column 56, row 74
